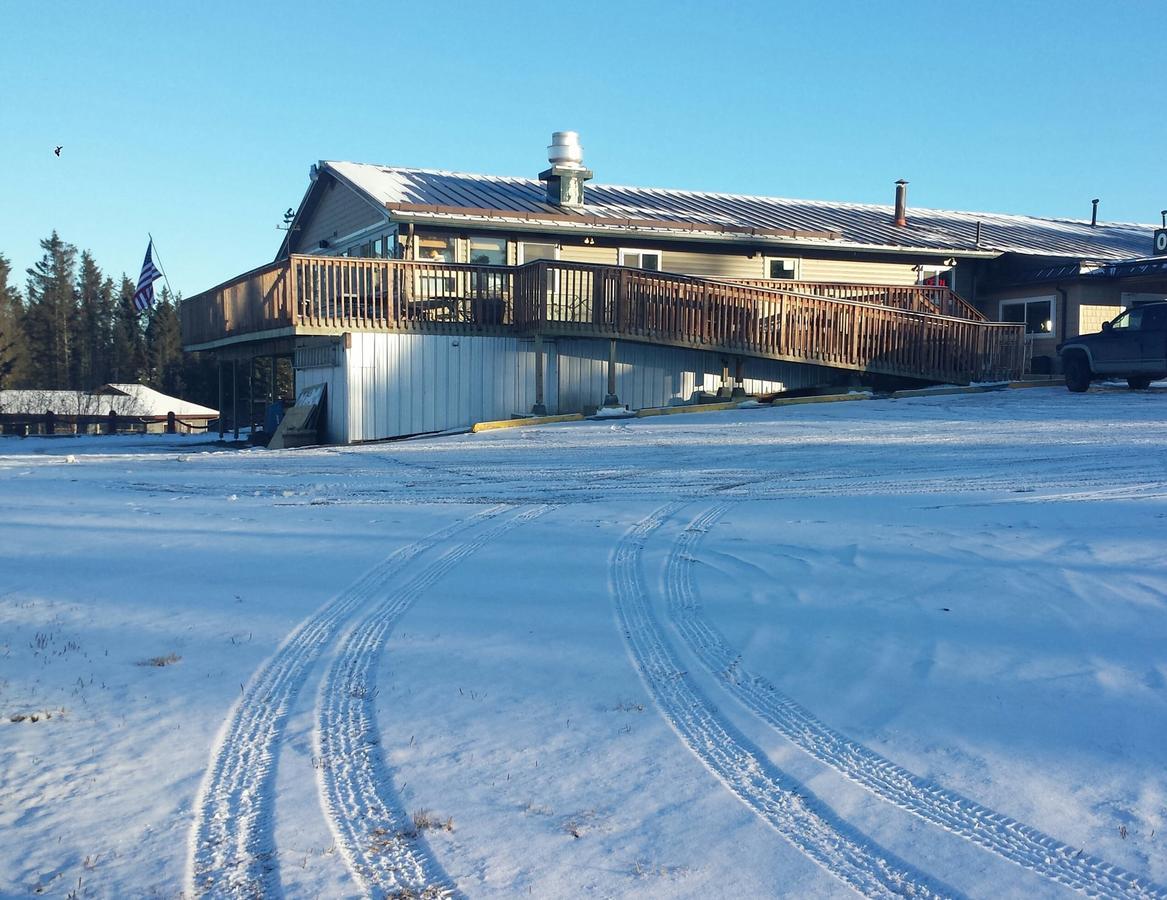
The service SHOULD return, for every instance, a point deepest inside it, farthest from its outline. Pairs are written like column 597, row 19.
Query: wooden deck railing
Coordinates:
column 887, row 330
column 254, row 302
column 924, row 298
column 765, row 321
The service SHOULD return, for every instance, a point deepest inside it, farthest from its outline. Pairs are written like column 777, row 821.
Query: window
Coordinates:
column 1141, row 318
column 364, row 245
column 783, row 267
column 531, row 252
column 431, row 281
column 935, row 276
column 641, row 259
column 488, row 251
column 1131, row 320
column 431, row 248
column 1036, row 314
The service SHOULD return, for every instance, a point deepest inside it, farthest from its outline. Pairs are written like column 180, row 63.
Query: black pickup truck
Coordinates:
column 1133, row 346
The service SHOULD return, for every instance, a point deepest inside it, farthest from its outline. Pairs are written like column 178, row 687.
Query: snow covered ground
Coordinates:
column 912, row 647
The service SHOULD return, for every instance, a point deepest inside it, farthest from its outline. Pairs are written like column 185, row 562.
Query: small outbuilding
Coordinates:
column 111, row 408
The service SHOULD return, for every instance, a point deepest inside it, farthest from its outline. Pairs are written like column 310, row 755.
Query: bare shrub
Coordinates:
column 168, row 660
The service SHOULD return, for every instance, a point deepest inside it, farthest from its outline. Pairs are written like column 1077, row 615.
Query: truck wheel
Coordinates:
column 1077, row 371
column 1138, row 382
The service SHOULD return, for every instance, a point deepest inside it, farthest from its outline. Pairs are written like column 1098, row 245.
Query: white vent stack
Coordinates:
column 565, row 149
column 565, row 179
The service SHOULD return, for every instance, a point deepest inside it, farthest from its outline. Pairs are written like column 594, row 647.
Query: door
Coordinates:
column 1153, row 340
column 1118, row 348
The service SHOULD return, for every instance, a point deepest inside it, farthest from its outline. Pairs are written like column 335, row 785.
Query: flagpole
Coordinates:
column 160, row 269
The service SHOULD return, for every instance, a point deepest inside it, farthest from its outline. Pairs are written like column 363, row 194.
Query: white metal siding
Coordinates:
column 652, row 376
column 336, row 412
column 398, row 384
column 417, row 383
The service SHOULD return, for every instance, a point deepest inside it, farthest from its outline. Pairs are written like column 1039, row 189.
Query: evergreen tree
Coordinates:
column 128, row 361
column 13, row 346
column 94, row 326
column 200, row 379
column 50, row 316
column 164, row 362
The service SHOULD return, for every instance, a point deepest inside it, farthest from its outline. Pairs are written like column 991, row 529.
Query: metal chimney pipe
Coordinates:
column 1094, row 213
column 901, row 203
column 1163, row 213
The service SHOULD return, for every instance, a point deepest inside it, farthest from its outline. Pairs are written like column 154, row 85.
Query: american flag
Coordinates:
column 144, row 296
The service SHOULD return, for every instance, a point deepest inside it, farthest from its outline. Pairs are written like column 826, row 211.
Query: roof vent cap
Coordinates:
column 565, row 149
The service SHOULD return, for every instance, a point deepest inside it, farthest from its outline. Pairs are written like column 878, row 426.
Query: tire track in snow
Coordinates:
column 1008, row 838
column 787, row 806
column 232, row 851
column 384, row 853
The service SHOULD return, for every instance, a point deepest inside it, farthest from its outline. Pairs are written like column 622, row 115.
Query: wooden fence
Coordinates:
column 870, row 328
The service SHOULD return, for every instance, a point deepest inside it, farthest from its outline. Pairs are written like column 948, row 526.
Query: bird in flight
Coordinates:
column 57, row 150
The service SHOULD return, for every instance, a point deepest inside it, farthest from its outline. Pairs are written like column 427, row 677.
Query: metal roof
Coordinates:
column 1152, row 266
column 471, row 198
column 131, row 400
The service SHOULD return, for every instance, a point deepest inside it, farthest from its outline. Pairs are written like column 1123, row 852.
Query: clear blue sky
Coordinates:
column 198, row 122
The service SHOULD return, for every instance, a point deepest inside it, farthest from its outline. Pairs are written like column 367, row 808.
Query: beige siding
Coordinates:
column 1090, row 318
column 851, row 272
column 340, row 212
column 601, row 256
column 713, row 265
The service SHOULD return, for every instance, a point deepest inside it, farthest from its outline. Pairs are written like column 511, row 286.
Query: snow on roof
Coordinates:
column 131, row 400
column 858, row 224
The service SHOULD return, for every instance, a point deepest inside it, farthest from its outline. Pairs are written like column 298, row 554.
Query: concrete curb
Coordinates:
column 678, row 410
column 1048, row 382
column 824, row 398
column 518, row 423
column 790, row 401
column 944, row 392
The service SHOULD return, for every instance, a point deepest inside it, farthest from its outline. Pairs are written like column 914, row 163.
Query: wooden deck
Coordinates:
column 919, row 332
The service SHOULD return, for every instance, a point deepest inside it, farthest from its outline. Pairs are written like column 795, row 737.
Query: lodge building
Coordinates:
column 426, row 300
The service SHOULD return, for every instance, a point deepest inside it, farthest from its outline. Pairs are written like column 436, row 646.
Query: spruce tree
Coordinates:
column 94, row 326
column 164, row 371
column 50, row 315
column 128, row 363
column 13, row 345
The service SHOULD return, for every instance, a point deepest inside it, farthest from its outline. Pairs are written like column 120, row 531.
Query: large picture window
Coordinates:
column 431, row 248
column 488, row 251
column 1035, row 313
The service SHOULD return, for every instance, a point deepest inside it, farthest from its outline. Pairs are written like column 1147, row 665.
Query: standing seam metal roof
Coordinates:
column 857, row 224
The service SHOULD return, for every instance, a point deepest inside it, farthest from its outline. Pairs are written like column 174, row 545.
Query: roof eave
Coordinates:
column 542, row 226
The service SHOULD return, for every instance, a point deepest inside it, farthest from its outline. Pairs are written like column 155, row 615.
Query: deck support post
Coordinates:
column 611, row 399
column 235, row 396
column 739, row 387
column 251, row 393
column 219, row 369
column 540, row 408
column 724, row 392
